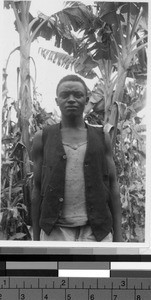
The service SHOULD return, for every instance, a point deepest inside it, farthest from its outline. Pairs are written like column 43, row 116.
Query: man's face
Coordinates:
column 71, row 98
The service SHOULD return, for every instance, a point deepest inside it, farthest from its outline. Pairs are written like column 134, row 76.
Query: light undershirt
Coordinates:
column 74, row 208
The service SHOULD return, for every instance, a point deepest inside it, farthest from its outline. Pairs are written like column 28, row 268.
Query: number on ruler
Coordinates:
column 92, row 297
column 46, row 297
column 4, row 282
column 22, row 297
column 115, row 297
column 63, row 282
column 0, row 296
column 138, row 297
column 69, row 297
column 123, row 283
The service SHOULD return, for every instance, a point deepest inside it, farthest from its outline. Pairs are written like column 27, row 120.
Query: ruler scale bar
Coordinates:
column 74, row 294
column 78, row 283
column 71, row 277
column 41, row 288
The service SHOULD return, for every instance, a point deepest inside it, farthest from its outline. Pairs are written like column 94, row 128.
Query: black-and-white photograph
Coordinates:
column 74, row 104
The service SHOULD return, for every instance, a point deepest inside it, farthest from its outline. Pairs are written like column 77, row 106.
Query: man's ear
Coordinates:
column 56, row 99
column 87, row 100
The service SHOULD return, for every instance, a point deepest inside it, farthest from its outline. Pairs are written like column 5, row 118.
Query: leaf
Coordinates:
column 22, row 206
column 79, row 14
column 15, row 212
column 64, row 20
column 105, row 8
column 108, row 14
column 60, row 59
column 132, row 7
column 7, row 4
column 8, row 163
column 17, row 236
column 68, row 45
column 82, row 65
column 16, row 190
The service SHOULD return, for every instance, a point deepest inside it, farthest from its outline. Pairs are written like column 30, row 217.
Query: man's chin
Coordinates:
column 71, row 113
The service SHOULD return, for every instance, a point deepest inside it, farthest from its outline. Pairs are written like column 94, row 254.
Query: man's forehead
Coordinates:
column 71, row 85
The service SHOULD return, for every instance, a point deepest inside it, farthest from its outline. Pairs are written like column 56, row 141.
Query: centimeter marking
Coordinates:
column 74, row 283
column 44, row 288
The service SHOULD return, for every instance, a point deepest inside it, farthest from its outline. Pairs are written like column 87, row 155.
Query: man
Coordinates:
column 75, row 195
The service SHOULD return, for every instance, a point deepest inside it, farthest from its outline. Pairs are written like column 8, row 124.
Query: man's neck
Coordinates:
column 73, row 123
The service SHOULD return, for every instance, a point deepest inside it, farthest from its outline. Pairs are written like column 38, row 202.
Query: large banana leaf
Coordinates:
column 82, row 65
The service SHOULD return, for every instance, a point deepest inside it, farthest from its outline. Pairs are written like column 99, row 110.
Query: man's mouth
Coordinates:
column 71, row 107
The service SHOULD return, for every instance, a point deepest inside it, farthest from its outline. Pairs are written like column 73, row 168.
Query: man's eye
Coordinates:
column 78, row 95
column 64, row 95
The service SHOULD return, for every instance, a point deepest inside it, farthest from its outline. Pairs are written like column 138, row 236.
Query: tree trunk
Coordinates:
column 118, row 95
column 25, row 101
column 25, row 91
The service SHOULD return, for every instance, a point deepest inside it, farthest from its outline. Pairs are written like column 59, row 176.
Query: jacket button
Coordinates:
column 61, row 199
column 64, row 156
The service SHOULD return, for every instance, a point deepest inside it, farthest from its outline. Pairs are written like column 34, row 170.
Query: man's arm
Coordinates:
column 37, row 156
column 114, row 192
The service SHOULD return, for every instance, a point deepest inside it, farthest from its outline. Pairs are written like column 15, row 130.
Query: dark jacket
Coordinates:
column 96, row 181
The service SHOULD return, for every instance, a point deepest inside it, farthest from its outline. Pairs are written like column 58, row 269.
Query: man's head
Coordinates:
column 72, row 78
column 71, row 96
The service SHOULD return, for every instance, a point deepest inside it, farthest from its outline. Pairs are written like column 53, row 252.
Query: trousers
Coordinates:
column 72, row 234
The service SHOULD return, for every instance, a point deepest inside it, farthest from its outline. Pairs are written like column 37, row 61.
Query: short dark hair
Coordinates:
column 72, row 77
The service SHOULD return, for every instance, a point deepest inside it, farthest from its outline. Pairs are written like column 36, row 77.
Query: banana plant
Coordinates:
column 128, row 46
column 114, row 41
column 29, row 28
column 111, row 38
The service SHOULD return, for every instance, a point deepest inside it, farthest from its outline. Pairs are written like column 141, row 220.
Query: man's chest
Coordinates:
column 74, row 137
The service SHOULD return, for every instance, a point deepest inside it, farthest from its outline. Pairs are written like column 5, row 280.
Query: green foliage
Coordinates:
column 130, row 158
column 13, row 210
column 82, row 65
column 130, row 161
column 108, row 31
column 16, row 185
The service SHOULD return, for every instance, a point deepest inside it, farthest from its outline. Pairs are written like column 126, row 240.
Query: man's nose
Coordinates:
column 71, row 98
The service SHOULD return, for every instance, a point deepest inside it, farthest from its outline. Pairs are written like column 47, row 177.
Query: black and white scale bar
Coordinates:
column 54, row 269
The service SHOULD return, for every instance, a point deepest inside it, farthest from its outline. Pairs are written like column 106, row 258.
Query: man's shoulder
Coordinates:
column 49, row 130
column 95, row 128
column 95, row 125
column 100, row 129
column 49, row 127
